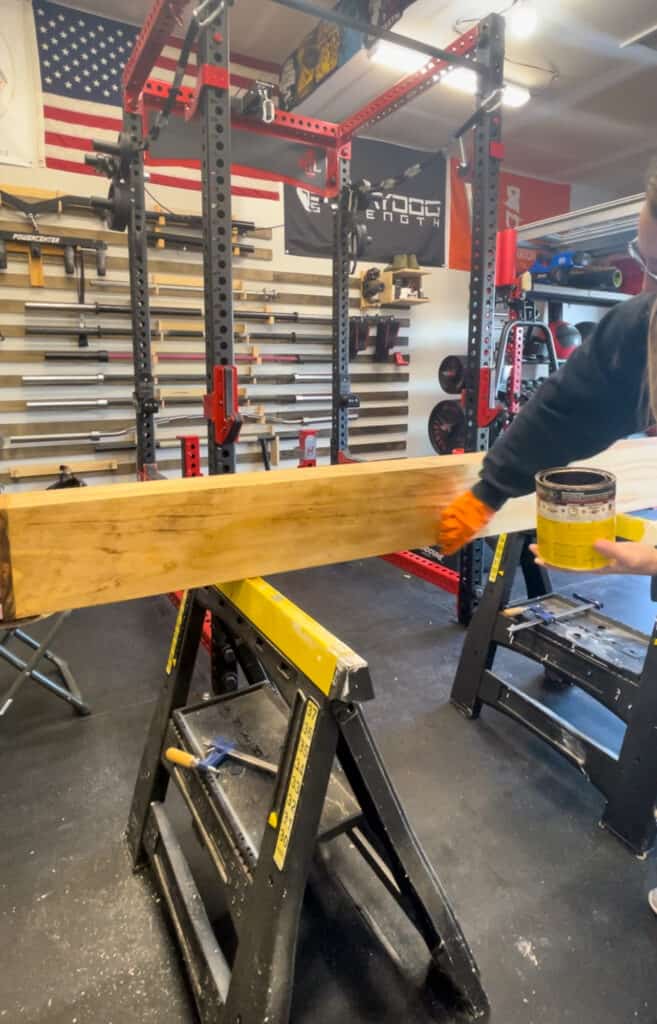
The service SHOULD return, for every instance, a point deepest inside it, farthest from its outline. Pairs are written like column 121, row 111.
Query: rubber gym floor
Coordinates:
column 554, row 908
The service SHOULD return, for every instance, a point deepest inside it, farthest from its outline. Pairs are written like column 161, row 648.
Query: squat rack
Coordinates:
column 481, row 49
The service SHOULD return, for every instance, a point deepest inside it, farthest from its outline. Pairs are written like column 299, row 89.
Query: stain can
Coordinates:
column 576, row 506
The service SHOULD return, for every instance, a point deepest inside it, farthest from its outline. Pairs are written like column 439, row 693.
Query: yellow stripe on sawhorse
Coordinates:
column 322, row 658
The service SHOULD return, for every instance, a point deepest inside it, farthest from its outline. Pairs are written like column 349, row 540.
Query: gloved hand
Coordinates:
column 461, row 521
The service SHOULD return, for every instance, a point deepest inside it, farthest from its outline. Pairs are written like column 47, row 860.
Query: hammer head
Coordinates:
column 219, row 750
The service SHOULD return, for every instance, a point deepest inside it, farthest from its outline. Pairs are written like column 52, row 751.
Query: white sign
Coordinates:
column 21, row 115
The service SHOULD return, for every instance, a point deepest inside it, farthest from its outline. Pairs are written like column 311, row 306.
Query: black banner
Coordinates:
column 410, row 220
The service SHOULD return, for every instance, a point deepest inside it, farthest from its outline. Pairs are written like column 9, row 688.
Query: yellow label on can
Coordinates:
column 568, row 544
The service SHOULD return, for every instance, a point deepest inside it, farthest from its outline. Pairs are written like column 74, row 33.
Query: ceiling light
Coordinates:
column 515, row 95
column 522, row 20
column 464, row 80
column 397, row 57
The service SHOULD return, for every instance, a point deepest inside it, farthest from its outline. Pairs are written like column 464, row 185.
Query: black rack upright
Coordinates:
column 486, row 159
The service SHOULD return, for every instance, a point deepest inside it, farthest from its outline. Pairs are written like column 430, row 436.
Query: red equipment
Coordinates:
column 566, row 338
column 221, row 406
column 190, row 454
column 506, row 257
column 425, row 569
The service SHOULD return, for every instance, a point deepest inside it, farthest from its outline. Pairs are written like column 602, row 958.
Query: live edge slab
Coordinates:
column 71, row 548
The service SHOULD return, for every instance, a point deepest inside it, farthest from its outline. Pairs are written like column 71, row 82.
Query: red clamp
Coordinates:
column 190, row 454
column 400, row 360
column 485, row 413
column 211, row 76
column 221, row 407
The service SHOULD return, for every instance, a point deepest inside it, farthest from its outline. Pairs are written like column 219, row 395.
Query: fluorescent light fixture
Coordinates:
column 646, row 37
column 515, row 95
column 522, row 20
column 397, row 57
column 464, row 80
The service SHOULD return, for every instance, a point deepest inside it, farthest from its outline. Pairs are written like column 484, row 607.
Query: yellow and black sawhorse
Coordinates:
column 301, row 709
column 576, row 645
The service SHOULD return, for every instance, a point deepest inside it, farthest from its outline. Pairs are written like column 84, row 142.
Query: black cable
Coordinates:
column 552, row 69
column 158, row 202
column 461, row 22
column 162, row 115
column 167, row 209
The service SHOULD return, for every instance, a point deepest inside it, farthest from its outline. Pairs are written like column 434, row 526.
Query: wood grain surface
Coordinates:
column 68, row 549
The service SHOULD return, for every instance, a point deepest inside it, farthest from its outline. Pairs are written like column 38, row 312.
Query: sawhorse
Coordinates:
column 66, row 689
column 574, row 643
column 301, row 710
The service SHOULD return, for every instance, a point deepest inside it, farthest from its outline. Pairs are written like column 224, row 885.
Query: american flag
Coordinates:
column 81, row 58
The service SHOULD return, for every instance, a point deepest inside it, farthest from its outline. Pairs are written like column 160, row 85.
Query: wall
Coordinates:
column 582, row 195
column 381, row 430
column 439, row 329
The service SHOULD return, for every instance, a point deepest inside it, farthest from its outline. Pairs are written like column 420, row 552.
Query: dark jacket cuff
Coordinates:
column 489, row 494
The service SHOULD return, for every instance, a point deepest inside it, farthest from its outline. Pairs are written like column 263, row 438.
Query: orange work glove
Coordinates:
column 461, row 521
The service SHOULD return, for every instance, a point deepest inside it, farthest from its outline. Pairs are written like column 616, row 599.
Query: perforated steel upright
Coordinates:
column 146, row 403
column 486, row 159
column 340, row 392
column 215, row 126
column 214, row 49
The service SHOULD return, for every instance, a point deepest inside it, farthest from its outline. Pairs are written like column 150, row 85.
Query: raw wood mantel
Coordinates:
column 71, row 548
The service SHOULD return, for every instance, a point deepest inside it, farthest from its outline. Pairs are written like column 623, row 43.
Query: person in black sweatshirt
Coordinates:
column 606, row 390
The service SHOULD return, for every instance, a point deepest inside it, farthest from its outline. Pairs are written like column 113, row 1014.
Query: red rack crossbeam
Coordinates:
column 425, row 569
column 162, row 18
column 288, row 126
column 406, row 89
column 293, row 128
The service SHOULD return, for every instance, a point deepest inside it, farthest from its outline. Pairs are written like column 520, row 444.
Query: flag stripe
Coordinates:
column 164, row 162
column 170, row 181
column 79, row 117
column 69, row 141
column 173, row 181
column 58, row 164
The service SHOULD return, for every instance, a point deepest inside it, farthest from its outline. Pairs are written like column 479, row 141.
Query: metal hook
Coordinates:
column 464, row 159
column 212, row 16
column 493, row 101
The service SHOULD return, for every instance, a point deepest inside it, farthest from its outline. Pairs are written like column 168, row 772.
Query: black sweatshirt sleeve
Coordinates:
column 596, row 398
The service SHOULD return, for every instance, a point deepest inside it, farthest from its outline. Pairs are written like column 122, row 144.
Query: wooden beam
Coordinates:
column 67, row 549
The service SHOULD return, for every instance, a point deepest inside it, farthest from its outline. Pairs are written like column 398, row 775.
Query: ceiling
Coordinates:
column 595, row 125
